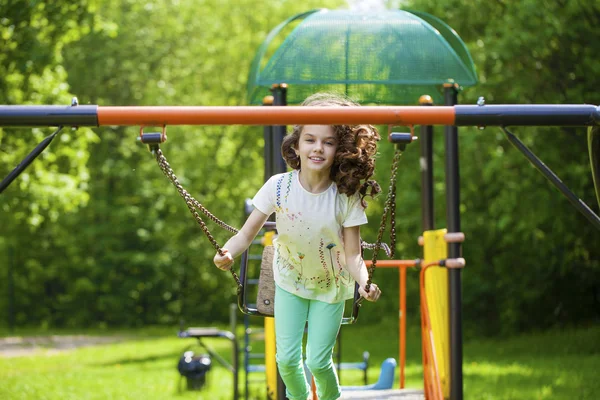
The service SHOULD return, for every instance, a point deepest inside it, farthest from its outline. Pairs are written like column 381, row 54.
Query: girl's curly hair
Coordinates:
column 354, row 161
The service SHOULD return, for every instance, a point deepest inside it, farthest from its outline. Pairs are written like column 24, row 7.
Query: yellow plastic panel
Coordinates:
column 270, row 363
column 436, row 288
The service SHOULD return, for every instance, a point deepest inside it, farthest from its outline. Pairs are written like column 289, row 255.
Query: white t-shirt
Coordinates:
column 309, row 256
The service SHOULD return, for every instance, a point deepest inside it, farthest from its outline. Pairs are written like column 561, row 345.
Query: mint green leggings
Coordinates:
column 324, row 319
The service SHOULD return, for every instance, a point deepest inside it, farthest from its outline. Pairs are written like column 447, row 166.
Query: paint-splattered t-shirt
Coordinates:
column 309, row 252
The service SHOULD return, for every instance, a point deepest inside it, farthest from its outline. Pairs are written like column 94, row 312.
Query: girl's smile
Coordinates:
column 316, row 148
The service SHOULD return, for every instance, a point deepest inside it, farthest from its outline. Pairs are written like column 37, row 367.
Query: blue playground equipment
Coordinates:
column 385, row 381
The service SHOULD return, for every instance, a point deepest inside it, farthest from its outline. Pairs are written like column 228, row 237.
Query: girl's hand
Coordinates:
column 373, row 293
column 223, row 262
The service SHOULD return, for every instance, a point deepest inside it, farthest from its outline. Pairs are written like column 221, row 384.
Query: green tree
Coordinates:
column 114, row 243
column 32, row 37
column 533, row 261
column 139, row 257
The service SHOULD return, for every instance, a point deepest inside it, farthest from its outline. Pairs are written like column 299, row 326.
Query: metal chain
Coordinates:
column 389, row 208
column 193, row 204
column 393, row 206
column 371, row 246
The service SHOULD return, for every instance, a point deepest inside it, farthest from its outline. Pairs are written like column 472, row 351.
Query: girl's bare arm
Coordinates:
column 356, row 265
column 354, row 261
column 238, row 243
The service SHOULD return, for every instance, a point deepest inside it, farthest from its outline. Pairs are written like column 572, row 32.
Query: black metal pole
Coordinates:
column 74, row 115
column 464, row 115
column 426, row 163
column 236, row 366
column 279, row 131
column 28, row 160
column 527, row 114
column 454, row 250
column 268, row 137
column 579, row 205
column 279, row 166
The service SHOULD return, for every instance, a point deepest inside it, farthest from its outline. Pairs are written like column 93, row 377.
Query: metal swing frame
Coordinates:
column 451, row 116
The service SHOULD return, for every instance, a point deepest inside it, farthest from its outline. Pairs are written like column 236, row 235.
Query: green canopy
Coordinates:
column 388, row 57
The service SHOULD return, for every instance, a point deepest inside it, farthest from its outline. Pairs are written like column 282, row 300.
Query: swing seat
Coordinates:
column 265, row 300
column 266, row 283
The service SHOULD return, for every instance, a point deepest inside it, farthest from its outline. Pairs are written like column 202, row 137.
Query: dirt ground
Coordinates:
column 17, row 346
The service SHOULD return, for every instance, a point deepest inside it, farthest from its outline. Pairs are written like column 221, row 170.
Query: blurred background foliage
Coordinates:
column 93, row 235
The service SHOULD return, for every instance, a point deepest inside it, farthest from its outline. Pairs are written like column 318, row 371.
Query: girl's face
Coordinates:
column 316, row 148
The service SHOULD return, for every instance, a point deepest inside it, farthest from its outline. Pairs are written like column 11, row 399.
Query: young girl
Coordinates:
column 319, row 207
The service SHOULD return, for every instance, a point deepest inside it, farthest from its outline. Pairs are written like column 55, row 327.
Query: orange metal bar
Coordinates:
column 401, row 265
column 393, row 263
column 402, row 324
column 274, row 115
column 431, row 378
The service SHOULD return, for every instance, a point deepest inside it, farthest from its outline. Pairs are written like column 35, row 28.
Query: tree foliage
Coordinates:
column 533, row 261
column 133, row 254
column 114, row 244
column 32, row 70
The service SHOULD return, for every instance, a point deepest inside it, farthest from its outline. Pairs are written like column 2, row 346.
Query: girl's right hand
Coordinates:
column 223, row 262
column 373, row 293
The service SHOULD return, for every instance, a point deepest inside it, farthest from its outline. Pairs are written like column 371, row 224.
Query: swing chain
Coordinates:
column 194, row 204
column 389, row 208
column 371, row 246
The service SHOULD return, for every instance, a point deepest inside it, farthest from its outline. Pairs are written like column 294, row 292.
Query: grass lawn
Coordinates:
column 553, row 365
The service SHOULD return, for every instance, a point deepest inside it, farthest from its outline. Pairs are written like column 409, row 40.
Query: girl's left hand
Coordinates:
column 373, row 293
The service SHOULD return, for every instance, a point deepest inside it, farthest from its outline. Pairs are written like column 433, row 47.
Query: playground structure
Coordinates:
column 199, row 334
column 584, row 115
column 443, row 351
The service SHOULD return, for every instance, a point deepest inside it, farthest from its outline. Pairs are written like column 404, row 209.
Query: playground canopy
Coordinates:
column 385, row 57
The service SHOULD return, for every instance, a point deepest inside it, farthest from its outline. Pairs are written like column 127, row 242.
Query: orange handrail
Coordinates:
column 431, row 377
column 273, row 115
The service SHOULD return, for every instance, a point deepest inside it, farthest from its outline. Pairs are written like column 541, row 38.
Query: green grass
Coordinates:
column 552, row 365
